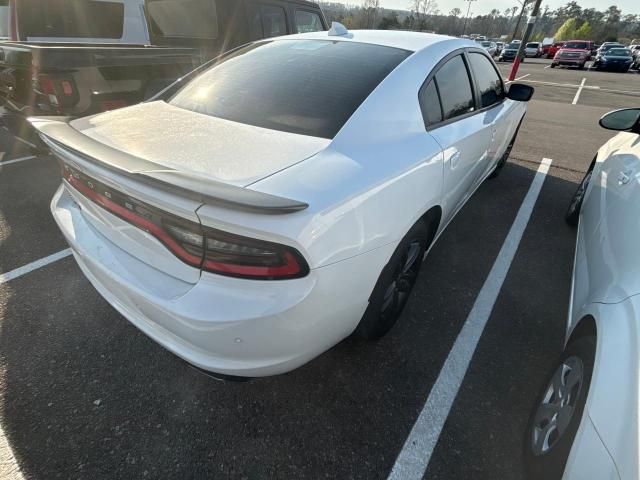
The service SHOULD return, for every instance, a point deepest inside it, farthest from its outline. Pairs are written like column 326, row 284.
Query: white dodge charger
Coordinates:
column 586, row 423
column 281, row 197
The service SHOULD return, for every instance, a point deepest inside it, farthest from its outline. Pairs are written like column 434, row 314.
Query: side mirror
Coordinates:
column 520, row 92
column 625, row 120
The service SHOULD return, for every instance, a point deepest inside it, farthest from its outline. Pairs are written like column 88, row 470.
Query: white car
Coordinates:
column 490, row 47
column 585, row 422
column 262, row 209
column 532, row 49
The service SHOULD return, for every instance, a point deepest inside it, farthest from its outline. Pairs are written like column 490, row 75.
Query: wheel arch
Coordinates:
column 432, row 219
column 586, row 327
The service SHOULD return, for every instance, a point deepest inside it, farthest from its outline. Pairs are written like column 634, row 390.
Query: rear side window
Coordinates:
column 487, row 80
column 455, row 88
column 309, row 87
column 274, row 21
column 308, row 22
column 183, row 18
column 430, row 103
column 71, row 19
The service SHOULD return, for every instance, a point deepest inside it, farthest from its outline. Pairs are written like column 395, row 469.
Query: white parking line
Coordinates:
column 25, row 142
column 575, row 99
column 16, row 160
column 9, row 468
column 30, row 267
column 415, row 455
column 548, row 66
column 519, row 78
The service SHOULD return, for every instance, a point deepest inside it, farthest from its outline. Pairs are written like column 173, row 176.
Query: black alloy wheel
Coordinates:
column 396, row 281
column 575, row 205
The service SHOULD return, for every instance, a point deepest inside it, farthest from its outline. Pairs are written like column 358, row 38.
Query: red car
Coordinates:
column 553, row 49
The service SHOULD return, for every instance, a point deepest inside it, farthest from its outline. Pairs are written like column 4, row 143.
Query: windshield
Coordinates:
column 309, row 87
column 4, row 18
column 577, row 45
column 513, row 46
column 486, row 44
column 618, row 52
column 532, row 45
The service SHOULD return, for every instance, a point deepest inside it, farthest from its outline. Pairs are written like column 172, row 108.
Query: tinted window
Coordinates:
column 455, row 89
column 310, row 87
column 274, row 21
column 577, row 45
column 183, row 18
column 619, row 52
column 430, row 103
column 488, row 80
column 4, row 18
column 308, row 22
column 71, row 19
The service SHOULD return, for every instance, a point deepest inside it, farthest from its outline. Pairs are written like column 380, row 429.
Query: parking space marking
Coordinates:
column 577, row 96
column 548, row 66
column 416, row 452
column 17, row 160
column 30, row 267
column 9, row 468
column 519, row 78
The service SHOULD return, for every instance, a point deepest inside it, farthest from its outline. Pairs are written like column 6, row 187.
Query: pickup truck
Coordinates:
column 75, row 58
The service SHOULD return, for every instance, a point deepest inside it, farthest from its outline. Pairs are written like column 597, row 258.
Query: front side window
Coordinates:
column 308, row 87
column 308, row 22
column 70, row 19
column 274, row 21
column 487, row 79
column 455, row 88
column 183, row 18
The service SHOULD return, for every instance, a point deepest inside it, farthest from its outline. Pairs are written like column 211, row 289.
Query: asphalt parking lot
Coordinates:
column 83, row 394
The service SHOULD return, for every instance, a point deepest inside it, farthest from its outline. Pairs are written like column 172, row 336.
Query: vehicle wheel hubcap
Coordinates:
column 558, row 405
column 404, row 277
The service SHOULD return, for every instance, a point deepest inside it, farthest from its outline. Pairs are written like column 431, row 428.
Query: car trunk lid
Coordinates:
column 222, row 150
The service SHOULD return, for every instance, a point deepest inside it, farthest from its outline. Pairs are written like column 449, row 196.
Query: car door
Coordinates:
column 448, row 103
column 492, row 108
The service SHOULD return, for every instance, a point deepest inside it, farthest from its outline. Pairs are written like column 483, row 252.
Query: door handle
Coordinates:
column 455, row 159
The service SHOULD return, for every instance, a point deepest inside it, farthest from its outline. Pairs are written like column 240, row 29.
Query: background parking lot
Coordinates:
column 83, row 394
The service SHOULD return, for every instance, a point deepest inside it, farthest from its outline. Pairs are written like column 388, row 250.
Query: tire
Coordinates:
column 503, row 161
column 553, row 65
column 393, row 288
column 573, row 211
column 575, row 366
column 581, row 66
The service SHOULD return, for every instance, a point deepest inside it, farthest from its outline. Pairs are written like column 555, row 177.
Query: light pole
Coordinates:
column 515, row 30
column 466, row 18
column 530, row 23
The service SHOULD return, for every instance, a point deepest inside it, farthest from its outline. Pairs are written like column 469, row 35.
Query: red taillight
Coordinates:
column 213, row 250
column 46, row 85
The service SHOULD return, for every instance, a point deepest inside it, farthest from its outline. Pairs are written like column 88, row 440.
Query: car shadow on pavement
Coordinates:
column 86, row 395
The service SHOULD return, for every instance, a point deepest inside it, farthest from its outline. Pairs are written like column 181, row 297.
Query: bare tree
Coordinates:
column 370, row 13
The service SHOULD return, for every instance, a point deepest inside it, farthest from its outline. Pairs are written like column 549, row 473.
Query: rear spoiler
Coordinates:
column 63, row 139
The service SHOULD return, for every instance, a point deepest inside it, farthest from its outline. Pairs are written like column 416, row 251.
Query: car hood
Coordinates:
column 175, row 138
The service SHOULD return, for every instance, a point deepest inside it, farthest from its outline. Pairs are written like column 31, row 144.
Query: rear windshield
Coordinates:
column 309, row 87
column 577, row 45
column 619, row 52
column 71, row 19
column 532, row 45
column 183, row 18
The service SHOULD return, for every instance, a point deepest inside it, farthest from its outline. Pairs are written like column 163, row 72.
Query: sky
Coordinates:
column 479, row 7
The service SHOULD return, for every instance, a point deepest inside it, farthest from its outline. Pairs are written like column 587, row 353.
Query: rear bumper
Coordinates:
column 225, row 325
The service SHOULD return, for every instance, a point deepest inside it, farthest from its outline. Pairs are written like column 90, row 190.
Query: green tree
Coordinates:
column 389, row 22
column 584, row 32
column 567, row 31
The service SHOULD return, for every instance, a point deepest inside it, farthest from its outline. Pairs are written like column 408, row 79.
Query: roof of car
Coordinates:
column 406, row 40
